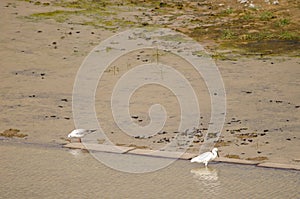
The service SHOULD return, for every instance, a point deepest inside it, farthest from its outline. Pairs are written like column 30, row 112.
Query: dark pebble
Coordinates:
column 266, row 130
column 64, row 100
column 250, row 140
column 53, row 116
column 92, row 33
column 289, row 139
column 160, row 133
column 140, row 120
column 54, row 43
column 134, row 116
column 297, row 106
column 39, row 31
column 43, row 74
column 258, row 151
column 67, row 118
column 77, row 32
column 60, row 106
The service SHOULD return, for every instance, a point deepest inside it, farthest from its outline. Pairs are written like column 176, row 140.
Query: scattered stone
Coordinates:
column 247, row 92
column 134, row 117
column 162, row 132
column 64, row 100
column 289, row 139
column 66, row 118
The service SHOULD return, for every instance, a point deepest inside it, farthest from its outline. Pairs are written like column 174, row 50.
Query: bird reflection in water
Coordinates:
column 208, row 178
column 77, row 152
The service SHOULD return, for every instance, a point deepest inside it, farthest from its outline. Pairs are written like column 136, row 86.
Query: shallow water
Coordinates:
column 51, row 172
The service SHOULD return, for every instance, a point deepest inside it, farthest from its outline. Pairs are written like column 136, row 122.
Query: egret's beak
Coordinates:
column 218, row 154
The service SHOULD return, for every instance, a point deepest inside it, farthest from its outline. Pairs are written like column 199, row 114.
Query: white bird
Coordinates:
column 206, row 157
column 79, row 133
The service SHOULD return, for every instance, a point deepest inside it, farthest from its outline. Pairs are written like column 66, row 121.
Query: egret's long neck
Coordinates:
column 214, row 154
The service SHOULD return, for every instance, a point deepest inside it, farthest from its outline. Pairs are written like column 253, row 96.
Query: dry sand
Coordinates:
column 40, row 59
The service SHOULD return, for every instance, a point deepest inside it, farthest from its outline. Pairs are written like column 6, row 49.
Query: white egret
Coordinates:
column 79, row 133
column 206, row 157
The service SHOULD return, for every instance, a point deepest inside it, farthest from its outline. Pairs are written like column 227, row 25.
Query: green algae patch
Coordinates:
column 13, row 133
column 259, row 158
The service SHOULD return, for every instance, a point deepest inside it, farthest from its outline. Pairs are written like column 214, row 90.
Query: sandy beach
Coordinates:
column 41, row 54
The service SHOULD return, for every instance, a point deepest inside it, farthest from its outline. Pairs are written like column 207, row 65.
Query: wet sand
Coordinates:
column 39, row 64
